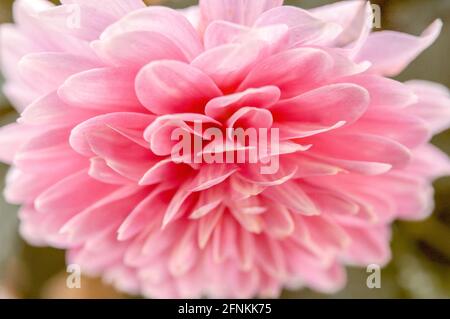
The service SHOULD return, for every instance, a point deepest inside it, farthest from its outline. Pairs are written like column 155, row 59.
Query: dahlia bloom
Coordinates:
column 102, row 85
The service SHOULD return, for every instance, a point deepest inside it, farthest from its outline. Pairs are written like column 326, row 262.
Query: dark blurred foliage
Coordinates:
column 420, row 267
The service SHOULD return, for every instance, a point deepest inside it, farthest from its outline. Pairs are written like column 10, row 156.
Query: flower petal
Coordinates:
column 137, row 48
column 238, row 11
column 223, row 107
column 166, row 87
column 304, row 28
column 109, row 89
column 326, row 105
column 399, row 49
column 298, row 70
column 165, row 21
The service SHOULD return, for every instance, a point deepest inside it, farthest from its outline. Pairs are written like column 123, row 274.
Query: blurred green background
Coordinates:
column 420, row 267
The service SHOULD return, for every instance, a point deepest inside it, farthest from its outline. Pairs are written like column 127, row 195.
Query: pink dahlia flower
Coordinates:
column 102, row 85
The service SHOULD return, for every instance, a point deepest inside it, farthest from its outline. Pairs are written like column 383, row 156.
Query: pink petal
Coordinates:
column 222, row 32
column 165, row 21
column 12, row 137
column 244, row 188
column 207, row 225
column 291, row 195
column 310, row 167
column 208, row 200
column 100, row 171
column 19, row 94
column 355, row 166
column 297, row 71
column 52, row 69
column 398, row 49
column 433, row 105
column 166, row 87
column 381, row 150
column 278, row 222
column 297, row 130
column 325, row 233
column 122, row 120
column 304, row 28
column 211, row 175
column 368, row 246
column 27, row 16
column 327, row 105
column 15, row 45
column 110, row 89
column 252, row 223
column 184, row 254
column 164, row 170
column 137, row 48
column 50, row 110
column 242, row 12
column 407, row 129
column 251, row 173
column 99, row 137
column 180, row 199
column 222, row 107
column 413, row 197
column 192, row 13
column 228, row 64
column 25, row 187
column 430, row 162
column 90, row 25
column 48, row 148
column 270, row 257
column 384, row 92
column 144, row 215
column 73, row 193
column 251, row 117
column 25, row 11
column 355, row 19
column 159, row 133
column 107, row 212
column 116, row 8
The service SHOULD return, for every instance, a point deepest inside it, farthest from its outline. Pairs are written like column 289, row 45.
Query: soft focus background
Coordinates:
column 420, row 267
